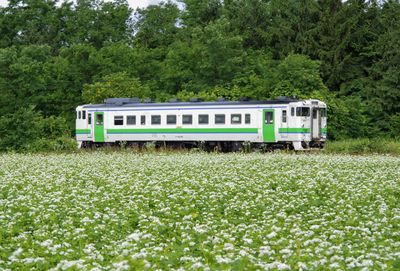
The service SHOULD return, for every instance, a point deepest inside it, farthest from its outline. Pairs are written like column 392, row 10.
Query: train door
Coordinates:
column 90, row 124
column 99, row 126
column 284, row 123
column 316, row 123
column 269, row 125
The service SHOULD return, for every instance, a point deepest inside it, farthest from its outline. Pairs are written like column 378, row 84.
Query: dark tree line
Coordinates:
column 55, row 56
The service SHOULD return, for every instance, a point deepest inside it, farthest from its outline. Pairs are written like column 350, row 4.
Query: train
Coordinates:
column 283, row 123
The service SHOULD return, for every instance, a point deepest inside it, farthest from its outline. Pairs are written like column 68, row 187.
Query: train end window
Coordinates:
column 171, row 119
column 156, row 119
column 302, row 111
column 143, row 120
column 219, row 118
column 323, row 113
column 247, row 118
column 79, row 114
column 284, row 116
column 83, row 114
column 236, row 119
column 292, row 111
column 89, row 119
column 187, row 119
column 130, row 120
column 203, row 119
column 118, row 120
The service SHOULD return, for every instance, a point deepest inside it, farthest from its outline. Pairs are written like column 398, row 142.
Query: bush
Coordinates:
column 28, row 130
column 363, row 146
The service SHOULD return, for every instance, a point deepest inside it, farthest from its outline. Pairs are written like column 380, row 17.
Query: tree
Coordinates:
column 199, row 13
column 156, row 25
column 299, row 76
column 27, row 130
column 99, row 23
column 115, row 85
column 382, row 92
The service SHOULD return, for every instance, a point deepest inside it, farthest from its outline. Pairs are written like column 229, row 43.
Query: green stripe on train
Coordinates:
column 183, row 130
column 82, row 131
column 294, row 130
column 324, row 130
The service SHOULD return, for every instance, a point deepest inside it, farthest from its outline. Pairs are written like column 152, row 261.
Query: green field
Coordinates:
column 127, row 211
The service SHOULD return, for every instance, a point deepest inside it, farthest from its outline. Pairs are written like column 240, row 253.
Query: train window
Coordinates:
column 283, row 115
column 220, row 119
column 142, row 120
column 156, row 119
column 292, row 111
column 323, row 112
column 247, row 119
column 203, row 119
column 187, row 119
column 89, row 118
column 130, row 120
column 83, row 114
column 305, row 111
column 302, row 111
column 99, row 119
column 236, row 118
column 118, row 120
column 79, row 114
column 269, row 117
column 171, row 119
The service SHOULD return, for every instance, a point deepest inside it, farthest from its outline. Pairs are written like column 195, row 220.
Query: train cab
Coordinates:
column 310, row 119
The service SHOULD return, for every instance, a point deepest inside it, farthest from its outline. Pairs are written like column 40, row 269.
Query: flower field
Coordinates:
column 126, row 211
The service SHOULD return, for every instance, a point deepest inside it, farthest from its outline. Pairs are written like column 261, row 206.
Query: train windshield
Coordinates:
column 302, row 111
column 323, row 112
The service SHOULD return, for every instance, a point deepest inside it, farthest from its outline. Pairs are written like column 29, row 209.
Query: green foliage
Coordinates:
column 156, row 25
column 298, row 76
column 364, row 146
column 19, row 129
column 27, row 130
column 346, row 117
column 232, row 94
column 113, row 86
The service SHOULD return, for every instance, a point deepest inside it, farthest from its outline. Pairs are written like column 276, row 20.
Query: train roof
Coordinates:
column 129, row 102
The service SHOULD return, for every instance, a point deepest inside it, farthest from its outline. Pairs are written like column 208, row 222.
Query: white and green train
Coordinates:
column 227, row 125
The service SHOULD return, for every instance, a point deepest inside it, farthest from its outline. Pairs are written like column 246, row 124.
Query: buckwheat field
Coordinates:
column 127, row 211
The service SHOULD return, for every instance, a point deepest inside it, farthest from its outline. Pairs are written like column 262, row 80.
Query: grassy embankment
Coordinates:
column 364, row 146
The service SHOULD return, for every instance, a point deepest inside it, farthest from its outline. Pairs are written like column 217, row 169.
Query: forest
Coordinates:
column 57, row 55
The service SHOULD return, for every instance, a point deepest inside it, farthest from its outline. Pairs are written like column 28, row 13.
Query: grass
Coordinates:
column 364, row 146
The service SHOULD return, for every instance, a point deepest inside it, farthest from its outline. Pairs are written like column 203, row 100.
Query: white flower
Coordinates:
column 228, row 246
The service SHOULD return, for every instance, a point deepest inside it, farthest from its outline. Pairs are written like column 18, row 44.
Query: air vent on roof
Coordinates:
column 135, row 100
column 148, row 100
column 195, row 100
column 220, row 99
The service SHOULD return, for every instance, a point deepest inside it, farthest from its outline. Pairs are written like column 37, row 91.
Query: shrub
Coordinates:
column 363, row 146
column 28, row 130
